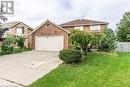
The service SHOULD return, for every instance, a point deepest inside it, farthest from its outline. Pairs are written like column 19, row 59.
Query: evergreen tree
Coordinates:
column 123, row 31
column 108, row 40
column 3, row 18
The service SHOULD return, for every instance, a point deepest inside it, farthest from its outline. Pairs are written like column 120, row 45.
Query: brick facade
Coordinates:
column 86, row 28
column 49, row 29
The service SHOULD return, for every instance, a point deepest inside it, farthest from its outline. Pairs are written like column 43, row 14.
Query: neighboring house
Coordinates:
column 51, row 37
column 18, row 28
column 85, row 25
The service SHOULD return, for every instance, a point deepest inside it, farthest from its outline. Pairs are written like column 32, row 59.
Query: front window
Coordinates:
column 95, row 27
column 79, row 28
column 19, row 31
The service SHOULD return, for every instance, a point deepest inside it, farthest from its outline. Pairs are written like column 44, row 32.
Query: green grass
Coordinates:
column 97, row 70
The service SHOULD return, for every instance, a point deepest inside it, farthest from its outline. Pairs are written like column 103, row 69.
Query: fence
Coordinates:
column 123, row 47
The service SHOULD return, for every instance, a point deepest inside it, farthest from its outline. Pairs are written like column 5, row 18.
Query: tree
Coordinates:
column 81, row 39
column 20, row 41
column 95, row 40
column 108, row 40
column 122, row 28
column 3, row 18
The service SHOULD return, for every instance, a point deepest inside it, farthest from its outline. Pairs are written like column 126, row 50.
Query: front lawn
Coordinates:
column 95, row 71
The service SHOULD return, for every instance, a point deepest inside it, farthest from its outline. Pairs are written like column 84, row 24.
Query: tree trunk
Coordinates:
column 84, row 49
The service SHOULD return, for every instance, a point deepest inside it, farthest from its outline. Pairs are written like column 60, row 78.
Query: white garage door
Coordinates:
column 49, row 43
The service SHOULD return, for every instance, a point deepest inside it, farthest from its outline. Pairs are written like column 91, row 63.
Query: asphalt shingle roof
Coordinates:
column 13, row 24
column 82, row 22
column 9, row 24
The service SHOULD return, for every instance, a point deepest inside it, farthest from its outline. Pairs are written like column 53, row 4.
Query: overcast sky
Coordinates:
column 34, row 12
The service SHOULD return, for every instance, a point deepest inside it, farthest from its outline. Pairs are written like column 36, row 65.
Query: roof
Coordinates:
column 9, row 24
column 42, row 24
column 82, row 22
column 13, row 24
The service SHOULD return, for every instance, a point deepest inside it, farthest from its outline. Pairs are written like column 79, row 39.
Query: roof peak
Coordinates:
column 88, row 20
column 14, row 23
column 46, row 21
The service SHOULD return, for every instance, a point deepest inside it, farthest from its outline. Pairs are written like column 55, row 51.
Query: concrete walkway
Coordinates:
column 24, row 68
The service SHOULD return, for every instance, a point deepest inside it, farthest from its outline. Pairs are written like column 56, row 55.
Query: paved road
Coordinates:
column 25, row 68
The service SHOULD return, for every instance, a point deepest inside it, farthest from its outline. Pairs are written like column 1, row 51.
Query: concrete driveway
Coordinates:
column 24, row 68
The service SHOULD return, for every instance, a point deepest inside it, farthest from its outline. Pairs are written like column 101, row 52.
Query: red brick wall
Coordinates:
column 50, row 29
column 87, row 28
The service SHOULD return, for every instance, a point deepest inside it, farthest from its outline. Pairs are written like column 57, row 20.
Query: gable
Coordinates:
column 49, row 29
column 15, row 24
column 49, row 26
column 9, row 24
column 21, row 24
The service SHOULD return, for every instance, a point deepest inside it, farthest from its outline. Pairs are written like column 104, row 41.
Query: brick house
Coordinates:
column 52, row 37
column 18, row 28
column 85, row 25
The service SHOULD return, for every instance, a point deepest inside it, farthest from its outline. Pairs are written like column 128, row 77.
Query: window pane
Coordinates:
column 79, row 28
column 95, row 27
column 19, row 31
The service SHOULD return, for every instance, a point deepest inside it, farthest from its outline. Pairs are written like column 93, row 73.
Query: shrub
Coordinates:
column 70, row 56
column 6, row 49
column 81, row 39
column 17, row 50
column 13, row 40
column 27, row 49
column 95, row 40
column 20, row 41
column 0, row 53
column 10, row 40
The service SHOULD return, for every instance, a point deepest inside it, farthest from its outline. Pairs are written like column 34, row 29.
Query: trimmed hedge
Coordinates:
column 70, row 56
column 4, row 50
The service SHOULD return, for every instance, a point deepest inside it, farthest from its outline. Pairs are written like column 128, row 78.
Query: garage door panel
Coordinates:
column 49, row 43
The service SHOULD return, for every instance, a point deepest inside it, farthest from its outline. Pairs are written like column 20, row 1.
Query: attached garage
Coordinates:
column 49, row 43
column 49, row 37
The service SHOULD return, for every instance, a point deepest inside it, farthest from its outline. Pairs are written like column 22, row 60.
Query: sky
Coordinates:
column 35, row 12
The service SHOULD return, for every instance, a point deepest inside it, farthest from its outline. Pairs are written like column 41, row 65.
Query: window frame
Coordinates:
column 79, row 28
column 21, row 32
column 95, row 27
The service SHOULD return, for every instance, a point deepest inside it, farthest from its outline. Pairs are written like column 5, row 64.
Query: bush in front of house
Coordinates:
column 13, row 44
column 14, row 41
column 17, row 50
column 10, row 50
column 6, row 49
column 81, row 39
column 20, row 41
column 70, row 56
